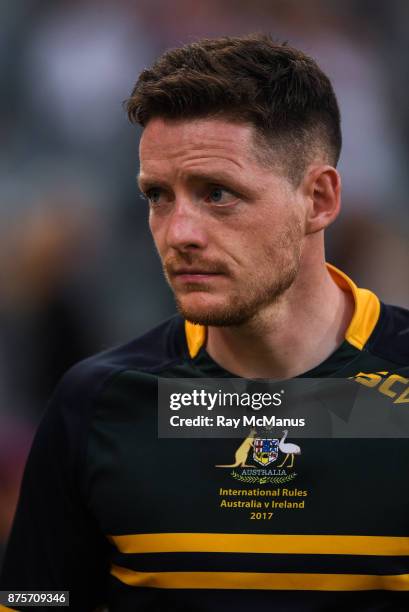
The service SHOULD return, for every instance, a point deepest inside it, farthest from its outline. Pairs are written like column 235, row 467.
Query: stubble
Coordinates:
column 274, row 271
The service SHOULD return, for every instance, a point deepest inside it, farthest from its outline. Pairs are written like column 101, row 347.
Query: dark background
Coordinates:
column 78, row 271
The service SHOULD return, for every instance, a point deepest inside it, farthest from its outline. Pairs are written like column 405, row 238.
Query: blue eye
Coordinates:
column 221, row 196
column 154, row 195
column 216, row 194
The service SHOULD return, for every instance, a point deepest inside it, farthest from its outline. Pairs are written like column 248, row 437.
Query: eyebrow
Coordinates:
column 210, row 177
column 148, row 183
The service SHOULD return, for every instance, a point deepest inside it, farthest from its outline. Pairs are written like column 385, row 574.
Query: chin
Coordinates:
column 209, row 312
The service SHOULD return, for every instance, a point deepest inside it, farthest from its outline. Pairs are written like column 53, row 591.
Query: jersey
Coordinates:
column 124, row 519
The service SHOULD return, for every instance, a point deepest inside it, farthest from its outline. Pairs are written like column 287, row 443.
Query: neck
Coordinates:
column 293, row 335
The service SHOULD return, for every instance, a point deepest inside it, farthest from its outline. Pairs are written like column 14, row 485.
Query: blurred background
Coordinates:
column 78, row 271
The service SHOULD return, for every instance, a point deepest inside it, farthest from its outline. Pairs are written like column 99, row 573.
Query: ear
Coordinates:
column 322, row 186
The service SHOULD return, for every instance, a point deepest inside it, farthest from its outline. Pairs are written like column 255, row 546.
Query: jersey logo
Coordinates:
column 265, row 450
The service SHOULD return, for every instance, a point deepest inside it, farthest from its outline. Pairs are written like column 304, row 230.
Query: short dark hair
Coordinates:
column 278, row 89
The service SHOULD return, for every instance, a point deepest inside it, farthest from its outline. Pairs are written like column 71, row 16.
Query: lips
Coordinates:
column 192, row 271
column 192, row 276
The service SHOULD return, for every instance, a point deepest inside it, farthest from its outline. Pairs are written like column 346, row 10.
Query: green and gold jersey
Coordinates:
column 122, row 518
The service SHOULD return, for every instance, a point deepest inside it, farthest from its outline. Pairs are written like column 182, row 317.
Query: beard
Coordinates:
column 237, row 309
column 248, row 296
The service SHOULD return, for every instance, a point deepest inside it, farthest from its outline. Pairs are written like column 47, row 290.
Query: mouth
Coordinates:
column 193, row 275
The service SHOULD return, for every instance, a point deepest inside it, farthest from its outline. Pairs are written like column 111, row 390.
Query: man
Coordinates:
column 238, row 153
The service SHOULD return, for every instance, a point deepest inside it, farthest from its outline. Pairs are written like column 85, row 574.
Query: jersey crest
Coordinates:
column 265, row 450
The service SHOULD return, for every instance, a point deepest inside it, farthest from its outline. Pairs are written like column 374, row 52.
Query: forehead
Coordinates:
column 197, row 139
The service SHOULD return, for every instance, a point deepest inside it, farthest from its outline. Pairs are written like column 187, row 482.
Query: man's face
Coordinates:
column 228, row 229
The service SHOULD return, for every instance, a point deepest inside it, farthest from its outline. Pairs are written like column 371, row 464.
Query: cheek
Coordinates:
column 244, row 240
column 275, row 240
column 157, row 232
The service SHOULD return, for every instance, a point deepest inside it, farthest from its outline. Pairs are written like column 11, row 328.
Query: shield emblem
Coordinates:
column 265, row 450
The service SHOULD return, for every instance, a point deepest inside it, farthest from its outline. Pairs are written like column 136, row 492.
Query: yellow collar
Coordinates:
column 366, row 315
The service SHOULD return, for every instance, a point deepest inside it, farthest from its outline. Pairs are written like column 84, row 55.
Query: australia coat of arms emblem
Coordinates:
column 265, row 450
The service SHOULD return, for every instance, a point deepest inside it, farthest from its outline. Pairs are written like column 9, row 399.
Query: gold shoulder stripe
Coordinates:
column 255, row 581
column 4, row 609
column 260, row 543
column 366, row 315
column 367, row 309
column 195, row 337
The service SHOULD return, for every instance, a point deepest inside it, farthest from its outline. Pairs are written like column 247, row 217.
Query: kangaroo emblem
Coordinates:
column 241, row 454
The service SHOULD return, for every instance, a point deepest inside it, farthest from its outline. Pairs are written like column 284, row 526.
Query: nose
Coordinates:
column 186, row 227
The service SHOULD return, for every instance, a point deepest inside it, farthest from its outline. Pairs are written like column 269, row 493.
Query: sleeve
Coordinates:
column 55, row 542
